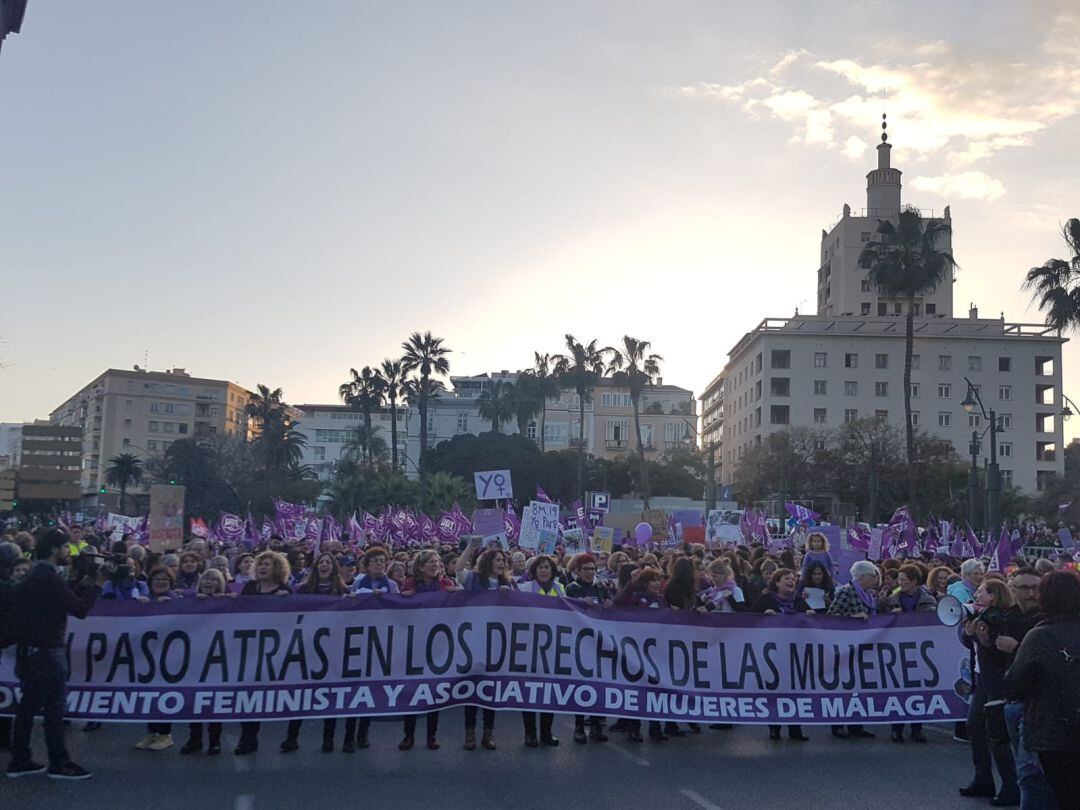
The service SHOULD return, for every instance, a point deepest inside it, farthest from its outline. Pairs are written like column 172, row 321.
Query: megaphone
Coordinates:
column 950, row 611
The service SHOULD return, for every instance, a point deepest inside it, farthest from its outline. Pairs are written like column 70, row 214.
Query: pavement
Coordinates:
column 714, row 770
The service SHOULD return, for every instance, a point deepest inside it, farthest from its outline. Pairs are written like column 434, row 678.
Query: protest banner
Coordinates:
column 166, row 517
column 226, row 660
column 603, row 539
column 493, row 485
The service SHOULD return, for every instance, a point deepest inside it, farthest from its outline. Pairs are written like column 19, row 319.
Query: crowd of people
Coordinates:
column 1022, row 628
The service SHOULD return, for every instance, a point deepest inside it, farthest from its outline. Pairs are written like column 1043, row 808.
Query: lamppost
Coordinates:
column 993, row 476
column 1068, row 411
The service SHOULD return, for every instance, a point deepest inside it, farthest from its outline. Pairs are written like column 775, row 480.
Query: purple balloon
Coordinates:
column 643, row 533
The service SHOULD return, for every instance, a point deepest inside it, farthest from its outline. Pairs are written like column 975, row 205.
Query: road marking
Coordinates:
column 699, row 800
column 630, row 756
column 245, row 802
column 241, row 765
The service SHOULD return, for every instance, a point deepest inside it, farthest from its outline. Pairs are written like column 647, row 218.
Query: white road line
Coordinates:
column 699, row 800
column 245, row 802
column 618, row 749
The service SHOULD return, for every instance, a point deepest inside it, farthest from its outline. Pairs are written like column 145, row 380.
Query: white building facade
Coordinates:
column 332, row 430
column 847, row 363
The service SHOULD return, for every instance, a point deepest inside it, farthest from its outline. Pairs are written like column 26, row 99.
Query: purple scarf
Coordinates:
column 868, row 601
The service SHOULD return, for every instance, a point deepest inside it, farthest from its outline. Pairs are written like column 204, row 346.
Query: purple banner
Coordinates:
column 312, row 656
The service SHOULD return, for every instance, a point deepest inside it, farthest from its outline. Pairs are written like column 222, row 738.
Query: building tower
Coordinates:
column 883, row 183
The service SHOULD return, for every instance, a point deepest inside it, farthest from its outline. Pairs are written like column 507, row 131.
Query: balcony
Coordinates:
column 616, row 444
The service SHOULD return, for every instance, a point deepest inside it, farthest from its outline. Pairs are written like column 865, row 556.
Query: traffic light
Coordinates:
column 172, row 480
column 101, row 490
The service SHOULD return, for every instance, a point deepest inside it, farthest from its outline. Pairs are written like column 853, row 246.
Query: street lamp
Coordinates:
column 993, row 476
column 1068, row 411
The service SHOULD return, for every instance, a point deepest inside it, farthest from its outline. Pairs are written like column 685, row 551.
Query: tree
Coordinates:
column 123, row 471
column 581, row 368
column 496, row 403
column 277, row 444
column 1055, row 286
column 393, row 381
column 906, row 262
column 634, row 369
column 366, row 447
column 544, row 384
column 787, row 465
column 364, row 393
column 415, row 390
column 426, row 355
column 265, row 407
column 442, row 491
column 527, row 401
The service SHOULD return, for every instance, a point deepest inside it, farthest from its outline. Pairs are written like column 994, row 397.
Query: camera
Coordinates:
column 89, row 565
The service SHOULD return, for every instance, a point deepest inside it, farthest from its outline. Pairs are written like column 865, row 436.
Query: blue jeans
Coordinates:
column 43, row 677
column 1035, row 793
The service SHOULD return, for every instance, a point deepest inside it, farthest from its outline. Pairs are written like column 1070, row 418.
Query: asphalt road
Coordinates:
column 716, row 769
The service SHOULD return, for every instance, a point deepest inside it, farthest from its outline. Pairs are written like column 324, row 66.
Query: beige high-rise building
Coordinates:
column 142, row 412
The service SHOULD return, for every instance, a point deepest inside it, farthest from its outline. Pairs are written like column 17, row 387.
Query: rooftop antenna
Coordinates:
column 146, row 359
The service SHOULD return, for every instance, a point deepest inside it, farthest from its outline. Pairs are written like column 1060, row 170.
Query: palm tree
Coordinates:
column 633, row 368
column 526, row 400
column 545, row 384
column 427, row 355
column 265, row 407
column 1055, row 286
column 580, row 369
column 496, row 403
column 364, row 393
column 366, row 447
column 444, row 490
column 189, row 460
column 123, row 471
column 393, row 379
column 905, row 262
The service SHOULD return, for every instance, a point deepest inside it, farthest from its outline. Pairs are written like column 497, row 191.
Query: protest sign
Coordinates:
column 538, row 516
column 166, row 517
column 574, row 542
column 119, row 525
column 488, row 521
column 658, row 519
column 493, row 485
column 227, row 660
column 546, row 541
column 603, row 539
column 496, row 540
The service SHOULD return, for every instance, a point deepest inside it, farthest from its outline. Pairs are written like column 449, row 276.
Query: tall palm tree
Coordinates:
column 393, row 379
column 1055, row 286
column 364, row 446
column 906, row 262
column 580, row 368
column 265, row 406
column 496, row 403
column 364, row 393
column 635, row 369
column 277, row 442
column 123, row 471
column 527, row 401
column 546, row 384
column 426, row 355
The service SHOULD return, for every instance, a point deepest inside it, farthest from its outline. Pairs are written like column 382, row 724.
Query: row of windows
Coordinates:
column 781, row 387
column 781, row 415
column 161, row 427
column 781, row 358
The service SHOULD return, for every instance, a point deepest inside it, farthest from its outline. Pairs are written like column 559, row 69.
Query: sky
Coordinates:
column 273, row 192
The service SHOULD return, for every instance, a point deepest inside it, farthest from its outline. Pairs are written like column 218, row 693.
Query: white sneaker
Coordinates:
column 144, row 743
column 160, row 742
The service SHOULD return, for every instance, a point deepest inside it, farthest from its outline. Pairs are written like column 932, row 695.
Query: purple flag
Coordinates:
column 903, row 525
column 582, row 518
column 1001, row 552
column 512, row 523
column 266, row 530
column 447, row 528
column 541, row 495
column 858, row 537
column 355, row 528
column 229, row 528
column 251, row 534
column 801, row 513
column 1064, row 505
column 199, row 528
column 427, row 528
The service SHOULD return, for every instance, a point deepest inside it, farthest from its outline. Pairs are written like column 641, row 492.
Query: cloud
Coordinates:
column 971, row 185
column 957, row 108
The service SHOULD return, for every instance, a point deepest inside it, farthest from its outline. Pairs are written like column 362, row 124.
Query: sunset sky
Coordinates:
column 271, row 192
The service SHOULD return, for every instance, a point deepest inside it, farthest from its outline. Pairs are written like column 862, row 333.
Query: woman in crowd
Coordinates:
column 190, row 567
column 857, row 600
column 937, row 581
column 585, row 586
column 723, row 594
column 541, row 581
column 212, row 585
column 245, row 569
column 1045, row 675
column 642, row 590
column 396, row 571
column 374, row 579
column 816, row 586
column 781, row 598
column 911, row 597
column 221, row 563
column 270, row 579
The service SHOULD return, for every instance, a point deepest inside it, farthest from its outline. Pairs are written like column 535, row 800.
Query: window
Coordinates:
column 1006, row 478
column 864, row 236
column 319, row 453
column 851, row 360
column 915, row 309
column 616, row 400
column 155, row 407
column 780, row 386
column 128, row 404
column 914, row 390
column 1004, row 421
column 821, row 388
column 850, row 414
column 944, row 362
column 882, row 308
column 779, row 415
column 781, row 358
column 944, row 391
column 617, row 430
column 1004, row 364
column 914, row 361
column 974, row 420
column 864, row 285
column 931, row 309
column 530, row 431
column 914, row 418
column 851, row 388
column 974, row 363
column 675, row 431
column 820, row 359
column 864, row 308
column 1004, row 392
column 127, row 424
column 151, row 446
column 944, row 419
column 820, row 415
column 898, row 308
column 181, row 427
column 126, row 442
column 881, row 361
column 1005, row 449
column 462, row 422
column 881, row 389
column 882, row 415
column 154, row 427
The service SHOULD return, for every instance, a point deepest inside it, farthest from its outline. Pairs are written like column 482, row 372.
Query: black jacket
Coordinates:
column 1046, row 676
column 44, row 601
column 992, row 661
